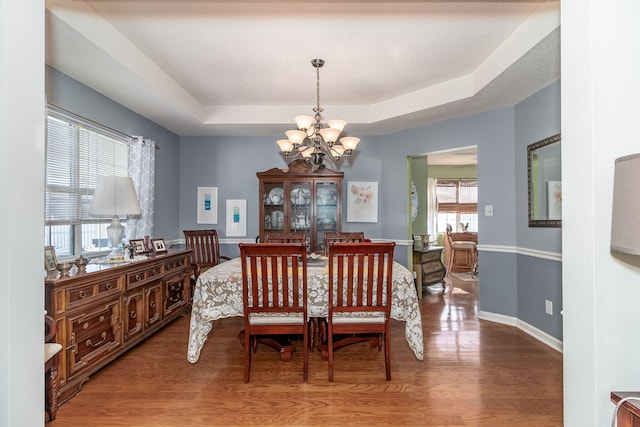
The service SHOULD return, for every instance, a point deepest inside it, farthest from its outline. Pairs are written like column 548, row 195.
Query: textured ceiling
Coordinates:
column 243, row 68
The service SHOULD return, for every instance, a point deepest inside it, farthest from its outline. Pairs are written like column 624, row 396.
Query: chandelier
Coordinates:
column 312, row 140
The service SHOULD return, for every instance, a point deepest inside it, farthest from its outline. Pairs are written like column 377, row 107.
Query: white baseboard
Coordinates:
column 536, row 333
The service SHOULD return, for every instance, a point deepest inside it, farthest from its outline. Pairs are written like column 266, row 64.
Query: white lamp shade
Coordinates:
column 350, row 142
column 285, row 145
column 338, row 150
column 625, row 217
column 114, row 195
column 296, row 136
column 307, row 152
column 337, row 124
column 304, row 122
column 329, row 134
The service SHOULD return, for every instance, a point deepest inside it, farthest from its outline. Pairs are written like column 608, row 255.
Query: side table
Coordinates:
column 432, row 269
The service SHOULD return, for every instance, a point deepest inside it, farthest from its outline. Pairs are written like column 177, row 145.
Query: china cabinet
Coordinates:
column 300, row 199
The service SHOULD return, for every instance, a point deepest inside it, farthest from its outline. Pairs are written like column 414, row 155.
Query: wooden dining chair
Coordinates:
column 360, row 279
column 462, row 254
column 345, row 237
column 274, row 294
column 205, row 247
column 293, row 237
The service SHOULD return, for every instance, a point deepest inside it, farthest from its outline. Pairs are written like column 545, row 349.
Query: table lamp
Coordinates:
column 625, row 227
column 113, row 197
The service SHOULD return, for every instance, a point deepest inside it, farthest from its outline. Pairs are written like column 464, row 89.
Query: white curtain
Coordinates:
column 142, row 169
column 432, row 208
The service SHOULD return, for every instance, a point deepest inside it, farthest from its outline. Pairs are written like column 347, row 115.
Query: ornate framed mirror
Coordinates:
column 545, row 185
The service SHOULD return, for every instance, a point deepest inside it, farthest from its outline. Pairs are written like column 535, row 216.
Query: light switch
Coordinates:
column 488, row 210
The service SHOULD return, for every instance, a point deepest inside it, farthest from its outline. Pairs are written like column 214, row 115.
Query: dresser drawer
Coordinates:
column 176, row 289
column 81, row 295
column 140, row 277
column 429, row 256
column 175, row 265
column 93, row 335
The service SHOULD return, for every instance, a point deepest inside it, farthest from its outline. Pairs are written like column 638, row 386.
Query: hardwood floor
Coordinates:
column 475, row 373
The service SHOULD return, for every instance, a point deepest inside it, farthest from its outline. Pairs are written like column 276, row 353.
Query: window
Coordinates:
column 77, row 152
column 457, row 203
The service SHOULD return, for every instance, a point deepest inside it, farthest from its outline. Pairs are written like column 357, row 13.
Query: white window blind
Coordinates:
column 457, row 195
column 77, row 152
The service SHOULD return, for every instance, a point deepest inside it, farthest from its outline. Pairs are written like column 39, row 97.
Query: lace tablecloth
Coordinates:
column 218, row 294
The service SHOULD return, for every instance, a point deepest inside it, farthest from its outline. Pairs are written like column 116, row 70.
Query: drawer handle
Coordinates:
column 109, row 286
column 133, row 314
column 152, row 304
column 88, row 342
column 81, row 294
column 85, row 325
column 102, row 318
column 138, row 277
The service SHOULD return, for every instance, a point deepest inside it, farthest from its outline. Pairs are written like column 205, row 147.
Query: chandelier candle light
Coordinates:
column 312, row 141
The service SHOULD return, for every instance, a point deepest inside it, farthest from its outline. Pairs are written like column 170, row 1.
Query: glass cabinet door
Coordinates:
column 300, row 209
column 274, row 202
column 327, row 216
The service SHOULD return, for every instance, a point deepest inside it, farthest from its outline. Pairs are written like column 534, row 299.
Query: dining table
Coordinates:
column 218, row 295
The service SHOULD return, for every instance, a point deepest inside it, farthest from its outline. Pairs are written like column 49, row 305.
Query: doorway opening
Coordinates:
column 444, row 197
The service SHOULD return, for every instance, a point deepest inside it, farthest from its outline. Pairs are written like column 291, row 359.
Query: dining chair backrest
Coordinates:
column 344, row 237
column 360, row 286
column 205, row 246
column 292, row 237
column 274, row 294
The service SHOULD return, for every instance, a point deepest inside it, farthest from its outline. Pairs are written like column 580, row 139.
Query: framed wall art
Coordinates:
column 207, row 212
column 236, row 218
column 362, row 201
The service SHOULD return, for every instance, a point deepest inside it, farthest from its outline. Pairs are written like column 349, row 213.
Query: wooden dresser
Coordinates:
column 103, row 312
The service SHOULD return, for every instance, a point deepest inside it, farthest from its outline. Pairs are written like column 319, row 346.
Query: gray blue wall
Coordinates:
column 67, row 93
column 514, row 282
column 539, row 277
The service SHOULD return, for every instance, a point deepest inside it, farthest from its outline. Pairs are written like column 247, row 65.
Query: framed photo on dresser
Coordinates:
column 159, row 246
column 138, row 245
column 50, row 259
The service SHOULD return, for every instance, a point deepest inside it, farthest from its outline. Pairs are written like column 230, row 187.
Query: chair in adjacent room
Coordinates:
column 462, row 254
column 360, row 283
column 274, row 294
column 293, row 237
column 51, row 367
column 345, row 237
column 205, row 246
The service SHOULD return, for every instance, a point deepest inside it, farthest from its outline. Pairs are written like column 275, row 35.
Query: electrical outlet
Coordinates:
column 548, row 307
